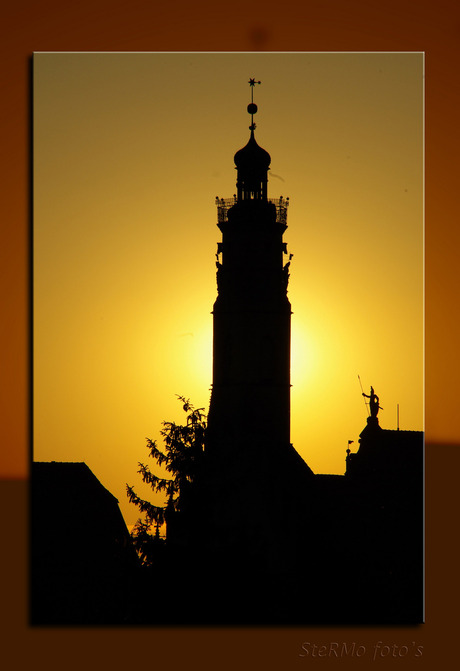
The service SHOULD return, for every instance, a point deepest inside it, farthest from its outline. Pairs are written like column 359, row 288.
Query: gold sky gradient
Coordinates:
column 130, row 151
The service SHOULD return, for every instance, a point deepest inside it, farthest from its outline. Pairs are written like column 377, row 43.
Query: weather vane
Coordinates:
column 252, row 107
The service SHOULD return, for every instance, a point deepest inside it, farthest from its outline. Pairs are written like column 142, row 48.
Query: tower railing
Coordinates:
column 224, row 204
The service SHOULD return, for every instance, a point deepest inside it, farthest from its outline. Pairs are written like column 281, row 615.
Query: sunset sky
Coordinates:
column 130, row 151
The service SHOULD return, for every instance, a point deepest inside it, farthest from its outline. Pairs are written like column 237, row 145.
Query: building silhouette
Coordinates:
column 259, row 539
column 252, row 474
column 252, row 313
column 285, row 545
column 83, row 563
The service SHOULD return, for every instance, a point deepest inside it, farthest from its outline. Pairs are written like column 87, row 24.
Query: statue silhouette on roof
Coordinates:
column 374, row 405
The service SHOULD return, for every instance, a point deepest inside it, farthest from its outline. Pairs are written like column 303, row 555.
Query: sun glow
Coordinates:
column 202, row 356
column 304, row 356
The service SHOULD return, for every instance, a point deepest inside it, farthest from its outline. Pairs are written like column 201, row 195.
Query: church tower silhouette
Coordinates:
column 250, row 399
column 253, row 482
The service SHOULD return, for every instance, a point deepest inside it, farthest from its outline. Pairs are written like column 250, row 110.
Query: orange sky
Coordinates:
column 130, row 151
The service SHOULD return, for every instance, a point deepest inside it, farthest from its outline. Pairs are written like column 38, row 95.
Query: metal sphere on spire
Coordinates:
column 252, row 107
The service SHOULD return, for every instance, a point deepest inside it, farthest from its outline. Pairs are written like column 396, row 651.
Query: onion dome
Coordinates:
column 252, row 156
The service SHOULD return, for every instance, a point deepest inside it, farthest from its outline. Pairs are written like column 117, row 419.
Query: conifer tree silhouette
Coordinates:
column 184, row 448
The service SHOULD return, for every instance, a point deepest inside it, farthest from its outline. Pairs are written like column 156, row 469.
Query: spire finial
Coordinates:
column 252, row 107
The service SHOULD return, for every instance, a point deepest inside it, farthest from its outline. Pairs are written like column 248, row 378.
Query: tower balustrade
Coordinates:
column 224, row 204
